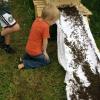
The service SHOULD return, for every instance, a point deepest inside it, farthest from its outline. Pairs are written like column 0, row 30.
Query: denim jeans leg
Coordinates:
column 36, row 61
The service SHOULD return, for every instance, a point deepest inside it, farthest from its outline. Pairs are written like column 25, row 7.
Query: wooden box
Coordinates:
column 39, row 4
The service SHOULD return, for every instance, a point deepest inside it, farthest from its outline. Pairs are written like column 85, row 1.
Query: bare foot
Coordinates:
column 20, row 66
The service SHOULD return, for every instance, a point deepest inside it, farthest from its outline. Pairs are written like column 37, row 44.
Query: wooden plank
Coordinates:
column 62, row 1
column 83, row 10
column 37, row 2
column 38, row 10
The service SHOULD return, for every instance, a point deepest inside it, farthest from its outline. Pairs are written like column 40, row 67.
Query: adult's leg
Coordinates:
column 7, row 39
column 9, row 26
column 6, row 33
column 10, row 29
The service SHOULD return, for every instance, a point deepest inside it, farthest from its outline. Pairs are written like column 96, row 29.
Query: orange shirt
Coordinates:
column 39, row 30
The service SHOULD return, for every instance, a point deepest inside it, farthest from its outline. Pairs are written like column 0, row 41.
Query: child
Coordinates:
column 36, row 47
column 8, row 24
column 78, row 54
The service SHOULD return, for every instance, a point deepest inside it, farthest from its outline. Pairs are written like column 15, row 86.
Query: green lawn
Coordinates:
column 35, row 84
column 46, row 83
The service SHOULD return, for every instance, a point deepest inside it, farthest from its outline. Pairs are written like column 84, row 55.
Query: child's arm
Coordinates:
column 45, row 43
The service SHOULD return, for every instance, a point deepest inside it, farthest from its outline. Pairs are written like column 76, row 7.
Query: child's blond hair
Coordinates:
column 51, row 12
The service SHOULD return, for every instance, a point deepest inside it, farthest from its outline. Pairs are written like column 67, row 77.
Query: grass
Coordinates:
column 95, row 18
column 39, row 84
column 46, row 83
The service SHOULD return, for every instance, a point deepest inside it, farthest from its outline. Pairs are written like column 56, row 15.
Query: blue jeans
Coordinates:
column 34, row 61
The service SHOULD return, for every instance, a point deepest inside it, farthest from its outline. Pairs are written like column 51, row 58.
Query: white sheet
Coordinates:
column 79, row 57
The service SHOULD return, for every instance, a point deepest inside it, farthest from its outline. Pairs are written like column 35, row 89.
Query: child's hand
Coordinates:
column 46, row 55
